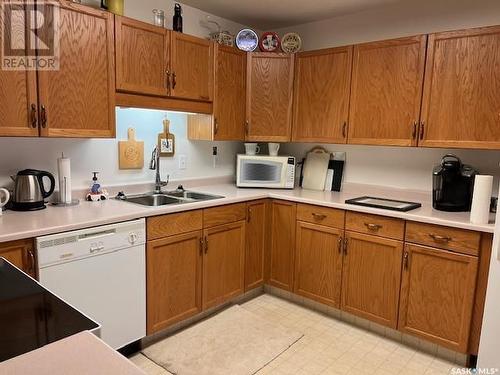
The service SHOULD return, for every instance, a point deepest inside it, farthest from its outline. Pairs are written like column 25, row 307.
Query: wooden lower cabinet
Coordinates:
column 20, row 254
column 371, row 278
column 223, row 263
column 437, row 295
column 256, row 243
column 283, row 216
column 174, row 266
column 318, row 263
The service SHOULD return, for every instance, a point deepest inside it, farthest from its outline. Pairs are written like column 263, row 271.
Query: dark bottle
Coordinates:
column 177, row 24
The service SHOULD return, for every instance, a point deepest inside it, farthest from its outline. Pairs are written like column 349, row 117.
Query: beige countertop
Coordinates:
column 18, row 225
column 82, row 354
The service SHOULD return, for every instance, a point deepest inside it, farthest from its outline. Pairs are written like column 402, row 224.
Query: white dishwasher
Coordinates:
column 102, row 272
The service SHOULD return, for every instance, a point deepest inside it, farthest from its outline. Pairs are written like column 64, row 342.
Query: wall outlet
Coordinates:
column 182, row 161
column 215, row 156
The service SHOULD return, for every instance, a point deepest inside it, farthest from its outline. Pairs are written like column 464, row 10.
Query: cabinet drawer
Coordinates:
column 330, row 217
column 374, row 224
column 459, row 240
column 223, row 214
column 172, row 224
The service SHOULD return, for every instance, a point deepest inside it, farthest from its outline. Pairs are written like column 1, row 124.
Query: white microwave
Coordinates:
column 276, row 172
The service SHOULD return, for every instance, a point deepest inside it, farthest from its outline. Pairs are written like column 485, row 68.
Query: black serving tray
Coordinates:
column 384, row 203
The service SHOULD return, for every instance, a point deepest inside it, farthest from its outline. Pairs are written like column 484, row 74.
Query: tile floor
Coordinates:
column 330, row 346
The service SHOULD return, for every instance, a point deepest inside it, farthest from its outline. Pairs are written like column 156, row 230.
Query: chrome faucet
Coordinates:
column 154, row 164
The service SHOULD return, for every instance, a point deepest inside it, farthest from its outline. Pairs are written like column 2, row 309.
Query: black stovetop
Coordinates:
column 31, row 316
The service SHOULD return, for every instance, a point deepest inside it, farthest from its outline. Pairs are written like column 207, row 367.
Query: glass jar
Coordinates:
column 158, row 17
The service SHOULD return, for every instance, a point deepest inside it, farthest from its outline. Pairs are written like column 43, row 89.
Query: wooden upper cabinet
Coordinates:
column 141, row 57
column 269, row 96
column 78, row 99
column 256, row 243
column 223, row 263
column 321, row 95
column 461, row 106
column 371, row 278
column 18, row 109
column 437, row 295
column 386, row 91
column 282, row 249
column 230, row 94
column 174, row 266
column 192, row 67
column 318, row 263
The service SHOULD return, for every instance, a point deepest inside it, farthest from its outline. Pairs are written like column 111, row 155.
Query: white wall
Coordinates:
column 407, row 168
column 102, row 154
column 488, row 347
column 403, row 18
column 194, row 20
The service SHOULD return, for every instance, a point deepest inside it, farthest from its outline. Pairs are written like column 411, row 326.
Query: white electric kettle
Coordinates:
column 4, row 198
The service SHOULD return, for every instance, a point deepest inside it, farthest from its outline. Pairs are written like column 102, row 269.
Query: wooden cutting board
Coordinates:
column 131, row 152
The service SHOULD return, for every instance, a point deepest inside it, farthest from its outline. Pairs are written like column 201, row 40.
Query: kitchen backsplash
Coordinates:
column 102, row 154
column 401, row 167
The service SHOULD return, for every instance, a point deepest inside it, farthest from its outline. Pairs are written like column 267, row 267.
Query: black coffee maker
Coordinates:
column 453, row 185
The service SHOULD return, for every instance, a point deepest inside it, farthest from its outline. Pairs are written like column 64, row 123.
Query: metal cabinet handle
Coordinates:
column 201, row 245
column 206, row 244
column 440, row 239
column 174, row 80
column 344, row 130
column 31, row 255
column 406, row 260
column 249, row 214
column 318, row 216
column 341, row 241
column 167, row 73
column 346, row 244
column 33, row 116
column 373, row 227
column 247, row 127
column 216, row 126
column 415, row 128
column 422, row 130
column 43, row 116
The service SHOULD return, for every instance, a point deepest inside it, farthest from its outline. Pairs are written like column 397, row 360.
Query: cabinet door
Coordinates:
column 462, row 86
column 174, row 267
column 386, row 91
column 192, row 65
column 78, row 100
column 230, row 94
column 371, row 278
column 20, row 254
column 223, row 263
column 18, row 109
column 256, row 243
column 437, row 295
column 269, row 96
column 321, row 95
column 141, row 57
column 282, row 250
column 318, row 263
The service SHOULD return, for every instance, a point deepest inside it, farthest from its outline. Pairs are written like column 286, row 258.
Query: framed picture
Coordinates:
column 166, row 141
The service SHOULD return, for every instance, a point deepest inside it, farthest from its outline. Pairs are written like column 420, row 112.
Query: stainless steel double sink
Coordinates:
column 168, row 198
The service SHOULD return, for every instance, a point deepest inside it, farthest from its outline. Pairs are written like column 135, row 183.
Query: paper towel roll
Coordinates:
column 64, row 172
column 481, row 200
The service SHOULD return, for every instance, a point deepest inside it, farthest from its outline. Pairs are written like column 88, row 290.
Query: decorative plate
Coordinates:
column 247, row 40
column 269, row 42
column 291, row 43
